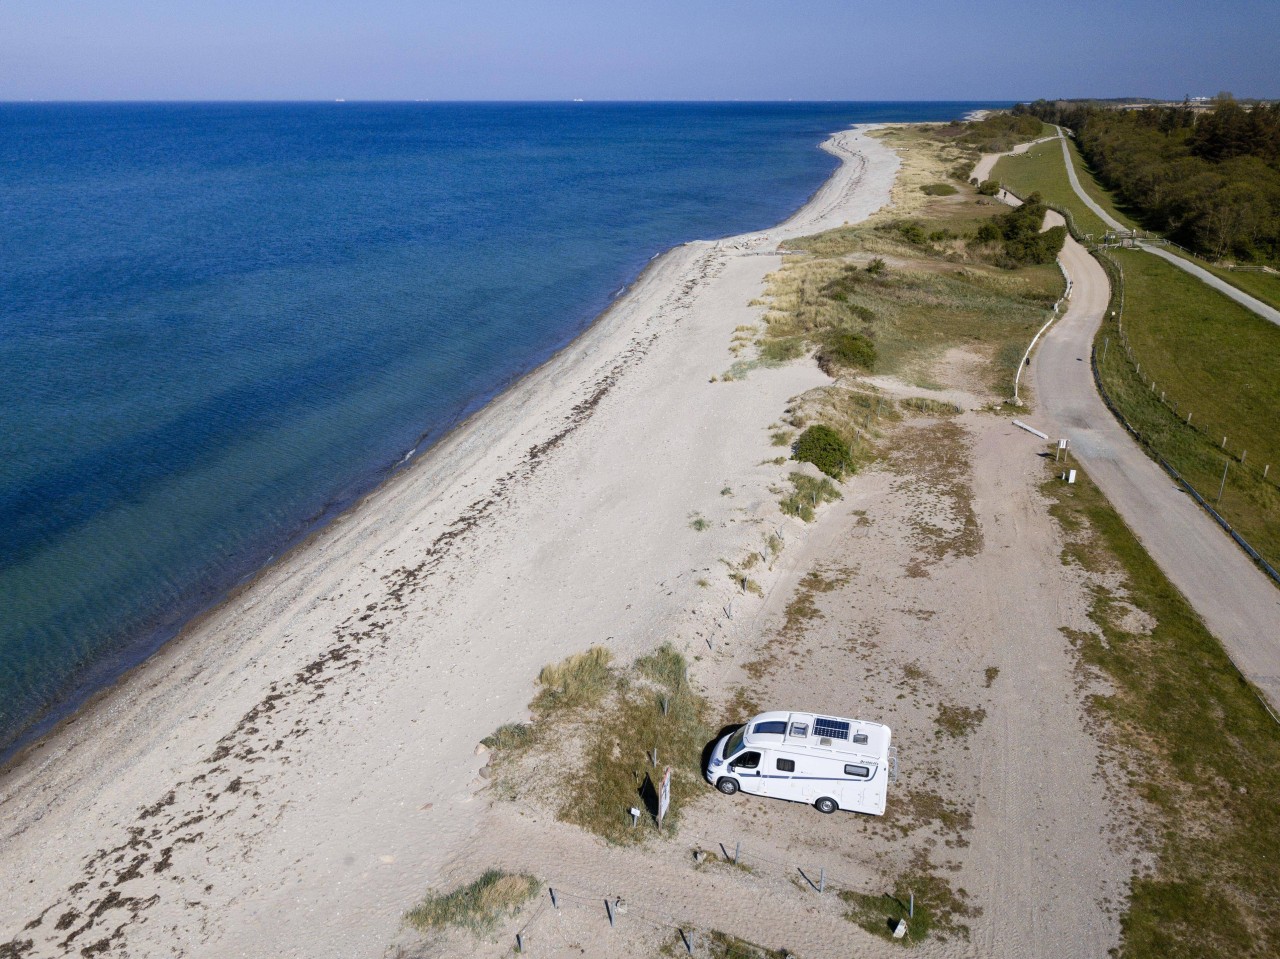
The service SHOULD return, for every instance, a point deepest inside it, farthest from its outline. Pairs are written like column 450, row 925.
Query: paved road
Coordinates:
column 1219, row 284
column 1238, row 603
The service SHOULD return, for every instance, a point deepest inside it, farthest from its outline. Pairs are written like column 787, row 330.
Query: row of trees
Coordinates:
column 1208, row 179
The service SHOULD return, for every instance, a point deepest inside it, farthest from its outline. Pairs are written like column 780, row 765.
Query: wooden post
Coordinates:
column 1223, row 485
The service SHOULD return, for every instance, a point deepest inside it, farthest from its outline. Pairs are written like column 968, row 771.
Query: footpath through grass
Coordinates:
column 1209, row 358
column 1194, row 740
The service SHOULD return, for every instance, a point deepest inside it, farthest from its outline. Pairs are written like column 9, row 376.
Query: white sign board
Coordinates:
column 664, row 796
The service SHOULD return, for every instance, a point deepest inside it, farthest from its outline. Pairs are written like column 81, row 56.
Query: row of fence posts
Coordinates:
column 615, row 906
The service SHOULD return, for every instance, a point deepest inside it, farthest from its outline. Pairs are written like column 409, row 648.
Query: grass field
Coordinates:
column 1193, row 740
column 1217, row 361
column 1262, row 286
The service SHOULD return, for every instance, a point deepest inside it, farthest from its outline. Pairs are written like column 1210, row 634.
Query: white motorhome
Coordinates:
column 830, row 762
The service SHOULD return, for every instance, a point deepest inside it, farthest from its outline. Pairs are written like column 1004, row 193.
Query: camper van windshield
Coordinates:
column 734, row 743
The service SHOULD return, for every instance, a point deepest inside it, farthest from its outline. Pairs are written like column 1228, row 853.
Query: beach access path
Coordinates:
column 1238, row 603
column 291, row 775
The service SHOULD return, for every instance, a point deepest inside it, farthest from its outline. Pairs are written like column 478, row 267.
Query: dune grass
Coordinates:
column 577, row 681
column 1195, row 740
column 477, row 906
column 1210, row 358
column 653, row 707
column 589, row 748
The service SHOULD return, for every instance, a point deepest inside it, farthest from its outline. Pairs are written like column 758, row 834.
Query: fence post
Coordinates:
column 1223, row 485
column 737, row 851
column 519, row 942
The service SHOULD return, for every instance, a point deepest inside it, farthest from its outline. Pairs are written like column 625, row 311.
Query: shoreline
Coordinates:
column 173, row 625
column 553, row 518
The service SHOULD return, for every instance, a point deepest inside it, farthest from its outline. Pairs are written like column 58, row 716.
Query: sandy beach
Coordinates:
column 290, row 775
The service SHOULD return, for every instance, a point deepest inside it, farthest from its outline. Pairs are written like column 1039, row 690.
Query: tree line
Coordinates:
column 1208, row 179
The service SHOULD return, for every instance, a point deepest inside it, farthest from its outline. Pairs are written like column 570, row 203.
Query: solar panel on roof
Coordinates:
column 831, row 728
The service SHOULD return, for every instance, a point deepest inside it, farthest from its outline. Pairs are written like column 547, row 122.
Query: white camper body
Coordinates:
column 827, row 761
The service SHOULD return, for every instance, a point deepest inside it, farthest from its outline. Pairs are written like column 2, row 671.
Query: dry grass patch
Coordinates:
column 477, row 906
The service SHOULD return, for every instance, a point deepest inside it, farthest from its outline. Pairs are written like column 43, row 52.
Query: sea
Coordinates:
column 222, row 323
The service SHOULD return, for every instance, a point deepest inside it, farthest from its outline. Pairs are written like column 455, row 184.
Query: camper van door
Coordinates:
column 746, row 767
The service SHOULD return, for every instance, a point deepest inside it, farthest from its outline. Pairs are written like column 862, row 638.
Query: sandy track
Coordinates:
column 1047, row 854
column 291, row 774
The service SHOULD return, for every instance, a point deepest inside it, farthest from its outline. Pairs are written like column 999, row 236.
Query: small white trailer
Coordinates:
column 827, row 761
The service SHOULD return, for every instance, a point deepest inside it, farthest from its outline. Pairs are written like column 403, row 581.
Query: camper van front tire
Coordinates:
column 826, row 804
column 727, row 785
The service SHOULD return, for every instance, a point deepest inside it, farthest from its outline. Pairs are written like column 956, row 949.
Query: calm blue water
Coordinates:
column 219, row 323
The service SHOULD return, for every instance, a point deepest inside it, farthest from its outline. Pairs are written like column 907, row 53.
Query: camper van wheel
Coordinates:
column 826, row 804
column 727, row 785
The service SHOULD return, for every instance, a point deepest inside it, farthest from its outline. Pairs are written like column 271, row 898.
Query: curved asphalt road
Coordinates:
column 1238, row 603
column 1222, row 286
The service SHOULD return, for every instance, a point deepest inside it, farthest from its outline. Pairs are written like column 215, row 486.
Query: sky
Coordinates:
column 643, row 50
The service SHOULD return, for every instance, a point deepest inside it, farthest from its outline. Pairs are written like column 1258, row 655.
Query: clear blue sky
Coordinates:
column 647, row 49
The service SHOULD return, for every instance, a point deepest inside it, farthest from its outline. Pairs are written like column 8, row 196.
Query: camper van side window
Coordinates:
column 786, row 765
column 857, row 772
column 800, row 730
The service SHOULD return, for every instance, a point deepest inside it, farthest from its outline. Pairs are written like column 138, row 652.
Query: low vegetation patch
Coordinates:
column 938, row 189
column 958, row 721
column 939, row 910
column 477, row 906
column 1214, row 889
column 930, row 407
column 807, row 495
column 577, row 681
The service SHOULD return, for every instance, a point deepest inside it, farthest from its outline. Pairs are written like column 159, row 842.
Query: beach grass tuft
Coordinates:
column 580, row 680
column 477, row 906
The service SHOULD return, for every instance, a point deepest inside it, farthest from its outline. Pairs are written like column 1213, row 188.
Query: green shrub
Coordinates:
column 938, row 189
column 843, row 348
column 988, row 187
column 988, row 233
column 824, row 448
column 876, row 267
column 512, row 737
